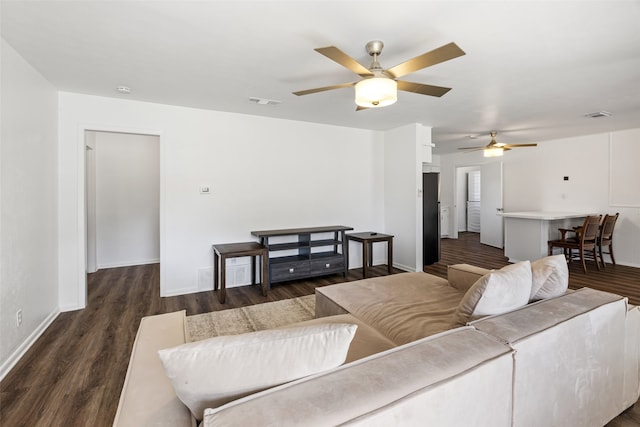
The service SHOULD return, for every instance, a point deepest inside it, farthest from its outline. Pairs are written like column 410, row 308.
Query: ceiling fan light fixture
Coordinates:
column 376, row 92
column 494, row 152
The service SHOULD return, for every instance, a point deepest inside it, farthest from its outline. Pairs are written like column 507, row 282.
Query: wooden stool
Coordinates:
column 235, row 250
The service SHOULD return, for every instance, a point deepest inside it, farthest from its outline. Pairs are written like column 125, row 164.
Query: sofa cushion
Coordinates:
column 550, row 277
column 403, row 307
column 211, row 372
column 463, row 276
column 496, row 292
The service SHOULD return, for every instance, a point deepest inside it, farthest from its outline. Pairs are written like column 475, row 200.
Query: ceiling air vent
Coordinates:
column 598, row 114
column 263, row 101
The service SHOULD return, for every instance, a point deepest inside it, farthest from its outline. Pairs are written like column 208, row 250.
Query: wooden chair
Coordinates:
column 585, row 240
column 606, row 236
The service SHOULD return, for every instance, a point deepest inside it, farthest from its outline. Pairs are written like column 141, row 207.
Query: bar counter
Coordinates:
column 526, row 233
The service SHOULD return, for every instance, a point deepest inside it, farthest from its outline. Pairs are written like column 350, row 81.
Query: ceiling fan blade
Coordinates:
column 322, row 89
column 335, row 54
column 422, row 88
column 359, row 108
column 472, row 148
column 519, row 145
column 436, row 56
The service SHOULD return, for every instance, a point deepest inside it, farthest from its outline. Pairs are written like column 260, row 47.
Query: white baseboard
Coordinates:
column 405, row 268
column 181, row 291
column 626, row 264
column 128, row 263
column 26, row 344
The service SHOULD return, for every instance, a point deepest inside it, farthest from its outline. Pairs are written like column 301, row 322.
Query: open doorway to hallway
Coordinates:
column 468, row 199
column 122, row 199
column 478, row 202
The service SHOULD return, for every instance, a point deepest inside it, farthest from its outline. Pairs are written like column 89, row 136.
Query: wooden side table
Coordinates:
column 233, row 250
column 368, row 239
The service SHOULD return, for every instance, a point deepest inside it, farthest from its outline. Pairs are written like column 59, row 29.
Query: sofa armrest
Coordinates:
column 463, row 276
column 568, row 349
column 632, row 356
column 148, row 397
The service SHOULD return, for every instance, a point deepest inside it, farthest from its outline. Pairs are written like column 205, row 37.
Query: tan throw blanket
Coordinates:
column 250, row 318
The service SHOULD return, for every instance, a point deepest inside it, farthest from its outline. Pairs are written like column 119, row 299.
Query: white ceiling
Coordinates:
column 532, row 69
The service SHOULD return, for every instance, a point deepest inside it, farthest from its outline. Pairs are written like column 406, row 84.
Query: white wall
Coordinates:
column 28, row 201
column 403, row 154
column 533, row 180
column 264, row 173
column 127, row 179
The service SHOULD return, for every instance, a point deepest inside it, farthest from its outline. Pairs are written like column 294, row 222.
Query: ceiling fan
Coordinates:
column 378, row 87
column 495, row 148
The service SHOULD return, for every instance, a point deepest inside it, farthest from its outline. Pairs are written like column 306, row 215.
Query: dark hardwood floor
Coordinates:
column 73, row 374
column 467, row 248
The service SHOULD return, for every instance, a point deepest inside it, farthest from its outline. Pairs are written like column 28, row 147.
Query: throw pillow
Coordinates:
column 463, row 276
column 495, row 293
column 550, row 277
column 212, row 372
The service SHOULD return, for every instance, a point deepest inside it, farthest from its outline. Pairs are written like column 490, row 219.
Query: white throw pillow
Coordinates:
column 212, row 372
column 550, row 277
column 463, row 276
column 495, row 293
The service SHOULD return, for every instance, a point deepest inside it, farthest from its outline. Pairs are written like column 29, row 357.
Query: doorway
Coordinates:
column 462, row 197
column 485, row 209
column 122, row 199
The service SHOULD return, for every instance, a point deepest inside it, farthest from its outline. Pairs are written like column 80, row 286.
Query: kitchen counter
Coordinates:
column 549, row 216
column 526, row 233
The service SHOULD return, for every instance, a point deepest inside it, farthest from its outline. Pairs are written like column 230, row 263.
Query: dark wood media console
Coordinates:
column 308, row 255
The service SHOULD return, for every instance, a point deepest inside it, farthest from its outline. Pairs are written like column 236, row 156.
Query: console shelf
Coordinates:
column 311, row 254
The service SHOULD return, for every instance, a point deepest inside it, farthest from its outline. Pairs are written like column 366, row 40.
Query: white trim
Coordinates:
column 184, row 291
column 82, row 222
column 81, row 197
column 406, row 268
column 26, row 344
column 129, row 263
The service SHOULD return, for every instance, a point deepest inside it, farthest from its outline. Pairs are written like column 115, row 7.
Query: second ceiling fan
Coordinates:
column 494, row 148
column 378, row 86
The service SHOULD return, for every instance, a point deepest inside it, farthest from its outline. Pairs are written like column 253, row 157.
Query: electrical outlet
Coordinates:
column 19, row 317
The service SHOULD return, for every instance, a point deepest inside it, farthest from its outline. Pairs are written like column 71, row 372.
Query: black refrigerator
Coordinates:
column 430, row 217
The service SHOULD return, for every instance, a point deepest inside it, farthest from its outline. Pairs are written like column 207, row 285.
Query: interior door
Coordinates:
column 491, row 224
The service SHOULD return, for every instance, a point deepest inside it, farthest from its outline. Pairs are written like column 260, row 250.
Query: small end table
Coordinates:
column 233, row 250
column 368, row 239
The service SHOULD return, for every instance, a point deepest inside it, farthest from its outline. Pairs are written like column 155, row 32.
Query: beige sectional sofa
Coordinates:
column 568, row 360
